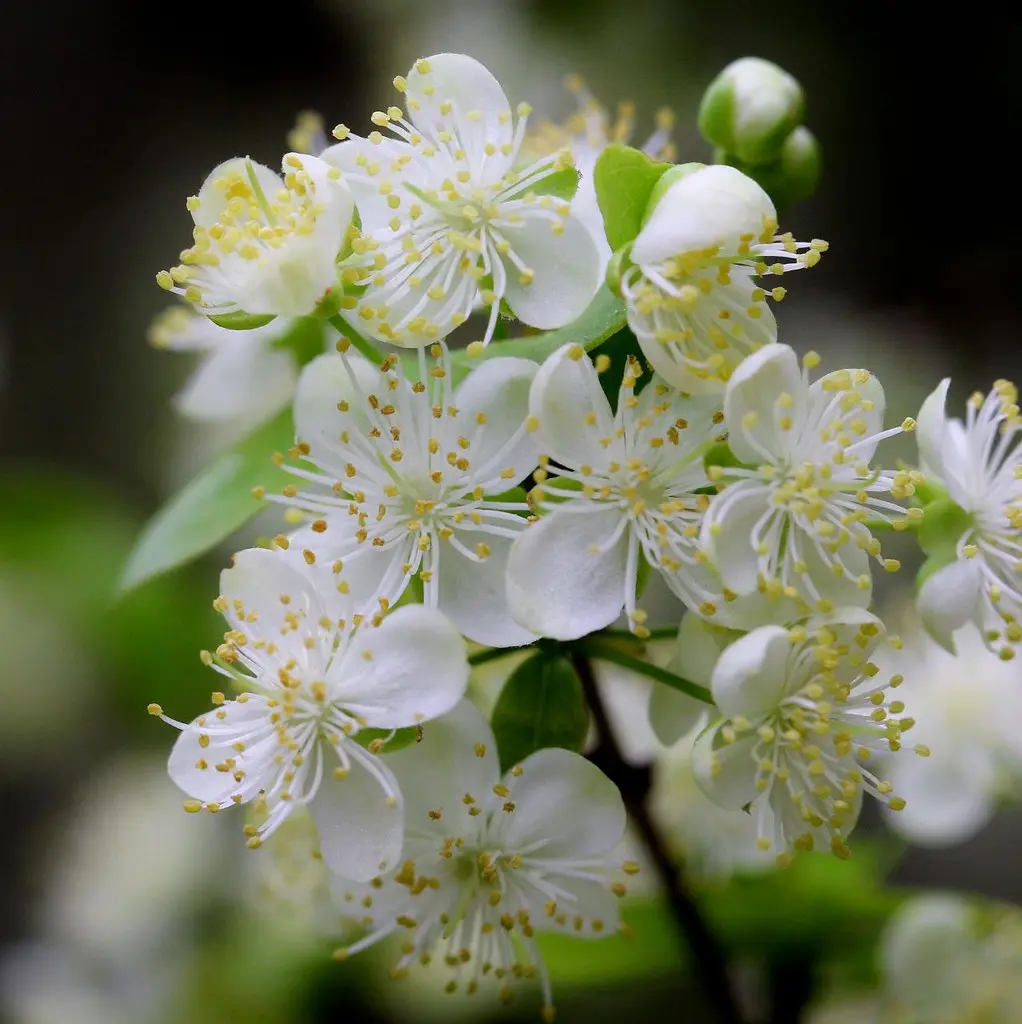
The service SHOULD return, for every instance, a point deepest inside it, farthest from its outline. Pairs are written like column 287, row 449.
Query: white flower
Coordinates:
column 626, row 489
column 407, row 478
column 311, row 684
column 797, row 526
column 980, row 464
column 587, row 133
column 968, row 711
column 491, row 860
column 264, row 244
column 242, row 375
column 804, row 712
column 458, row 222
column 691, row 292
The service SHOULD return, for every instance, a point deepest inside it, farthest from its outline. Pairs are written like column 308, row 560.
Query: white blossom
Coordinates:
column 310, row 683
column 980, row 463
column 490, row 859
column 243, row 376
column 264, row 244
column 456, row 220
column 626, row 489
column 406, row 482
column 795, row 524
column 804, row 714
column 691, row 288
column 586, row 134
column 968, row 711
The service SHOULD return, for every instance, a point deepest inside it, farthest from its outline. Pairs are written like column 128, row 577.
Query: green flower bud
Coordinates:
column 749, row 110
column 794, row 176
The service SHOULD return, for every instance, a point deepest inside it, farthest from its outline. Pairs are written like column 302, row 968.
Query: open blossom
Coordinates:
column 310, row 684
column 406, row 479
column 490, row 859
column 587, row 133
column 243, row 376
column 457, row 218
column 980, row 463
column 693, row 298
column 264, row 244
column 968, row 711
column 796, row 526
column 804, row 713
column 626, row 489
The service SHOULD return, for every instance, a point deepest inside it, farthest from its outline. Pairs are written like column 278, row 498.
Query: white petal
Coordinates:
column 727, row 533
column 697, row 649
column 725, row 772
column 584, row 899
column 409, row 669
column 372, row 205
column 931, row 430
column 361, row 828
column 566, row 803
column 190, row 752
column 498, row 390
column 474, row 594
column 838, row 590
column 213, row 199
column 324, row 383
column 566, row 268
column 436, row 773
column 254, row 587
column 707, row 208
column 556, row 586
column 948, row 599
column 750, row 405
column 945, row 804
column 751, row 676
column 468, row 86
column 564, row 394
column 242, row 378
column 673, row 714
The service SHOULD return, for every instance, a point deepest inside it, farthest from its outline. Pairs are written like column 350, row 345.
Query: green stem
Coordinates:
column 367, row 348
column 492, row 654
column 607, row 652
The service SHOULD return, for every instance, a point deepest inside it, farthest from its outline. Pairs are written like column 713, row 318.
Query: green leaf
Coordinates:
column 624, row 179
column 561, row 184
column 541, row 705
column 400, row 739
column 212, row 506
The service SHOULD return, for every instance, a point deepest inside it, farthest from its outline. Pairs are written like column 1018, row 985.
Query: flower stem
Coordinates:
column 367, row 348
column 609, row 652
column 707, row 955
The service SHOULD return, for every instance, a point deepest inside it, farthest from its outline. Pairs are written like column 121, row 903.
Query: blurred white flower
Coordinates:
column 310, row 684
column 980, row 464
column 626, row 489
column 795, row 527
column 264, row 244
column 691, row 290
column 805, row 710
column 409, row 480
column 242, row 377
column 458, row 222
column 489, row 861
column 968, row 712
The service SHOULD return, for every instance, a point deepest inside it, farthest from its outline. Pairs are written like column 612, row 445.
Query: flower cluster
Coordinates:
column 521, row 495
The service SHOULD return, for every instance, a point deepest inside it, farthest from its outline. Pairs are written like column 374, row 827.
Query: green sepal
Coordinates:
column 624, row 178
column 305, row 339
column 720, row 454
column 562, row 184
column 242, row 321
column 541, row 705
column 941, row 527
column 398, row 738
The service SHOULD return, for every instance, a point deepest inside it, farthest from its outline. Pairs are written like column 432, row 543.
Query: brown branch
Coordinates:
column 707, row 955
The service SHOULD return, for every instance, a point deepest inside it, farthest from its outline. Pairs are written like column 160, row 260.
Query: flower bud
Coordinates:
column 793, row 176
column 750, row 108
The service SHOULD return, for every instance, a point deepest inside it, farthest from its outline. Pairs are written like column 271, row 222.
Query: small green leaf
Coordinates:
column 541, row 705
column 241, row 321
column 400, row 739
column 624, row 179
column 212, row 506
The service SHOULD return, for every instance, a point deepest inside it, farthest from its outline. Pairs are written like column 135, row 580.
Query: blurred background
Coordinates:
column 114, row 907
